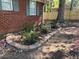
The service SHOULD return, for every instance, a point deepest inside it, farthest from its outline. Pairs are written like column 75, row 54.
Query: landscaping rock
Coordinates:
column 13, row 37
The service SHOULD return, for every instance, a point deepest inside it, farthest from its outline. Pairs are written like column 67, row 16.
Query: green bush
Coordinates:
column 29, row 38
column 44, row 29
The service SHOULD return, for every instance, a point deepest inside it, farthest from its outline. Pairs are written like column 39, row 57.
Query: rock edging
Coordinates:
column 30, row 47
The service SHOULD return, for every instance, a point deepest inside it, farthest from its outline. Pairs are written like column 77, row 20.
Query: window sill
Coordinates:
column 8, row 11
column 33, row 15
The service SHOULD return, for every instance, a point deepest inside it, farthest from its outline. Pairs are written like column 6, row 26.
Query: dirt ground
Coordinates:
column 62, row 40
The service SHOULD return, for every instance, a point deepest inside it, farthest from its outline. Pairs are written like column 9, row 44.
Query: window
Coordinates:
column 31, row 8
column 9, row 5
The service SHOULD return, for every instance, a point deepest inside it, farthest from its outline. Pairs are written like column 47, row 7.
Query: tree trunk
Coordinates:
column 71, row 7
column 60, row 17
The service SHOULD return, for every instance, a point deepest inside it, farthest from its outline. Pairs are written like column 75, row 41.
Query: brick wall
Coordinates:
column 13, row 21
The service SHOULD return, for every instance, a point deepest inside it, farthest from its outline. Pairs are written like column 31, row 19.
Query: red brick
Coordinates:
column 12, row 21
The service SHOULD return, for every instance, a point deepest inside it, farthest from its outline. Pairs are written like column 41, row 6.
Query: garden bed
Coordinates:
column 33, row 46
column 54, row 43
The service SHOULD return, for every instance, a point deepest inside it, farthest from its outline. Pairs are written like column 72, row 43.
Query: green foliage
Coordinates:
column 68, row 3
column 2, row 37
column 47, row 7
column 54, row 4
column 29, row 37
column 73, row 4
column 44, row 29
column 76, row 4
column 28, row 28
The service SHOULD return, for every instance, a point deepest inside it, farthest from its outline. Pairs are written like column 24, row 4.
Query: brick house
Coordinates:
column 15, row 13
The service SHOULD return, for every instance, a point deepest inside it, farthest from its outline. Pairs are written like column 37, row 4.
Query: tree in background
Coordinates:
column 53, row 4
column 74, row 4
column 47, row 7
column 60, row 17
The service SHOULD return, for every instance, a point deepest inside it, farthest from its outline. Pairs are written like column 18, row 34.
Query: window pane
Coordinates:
column 0, row 5
column 32, row 11
column 32, row 8
column 32, row 4
column 6, row 0
column 7, row 5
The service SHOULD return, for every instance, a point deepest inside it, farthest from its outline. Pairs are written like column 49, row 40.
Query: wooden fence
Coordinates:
column 68, row 15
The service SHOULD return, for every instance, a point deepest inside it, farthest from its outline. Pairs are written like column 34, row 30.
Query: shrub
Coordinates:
column 44, row 29
column 29, row 38
column 26, row 29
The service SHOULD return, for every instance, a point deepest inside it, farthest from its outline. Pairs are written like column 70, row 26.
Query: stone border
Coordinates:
column 30, row 47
